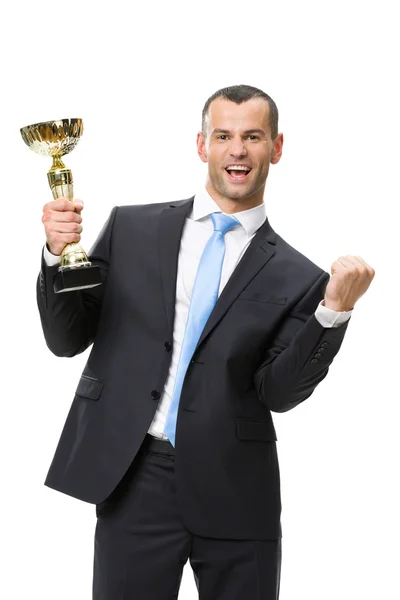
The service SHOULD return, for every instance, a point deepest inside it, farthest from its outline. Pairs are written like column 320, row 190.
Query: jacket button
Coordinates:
column 168, row 346
column 317, row 355
column 324, row 344
column 314, row 360
column 155, row 394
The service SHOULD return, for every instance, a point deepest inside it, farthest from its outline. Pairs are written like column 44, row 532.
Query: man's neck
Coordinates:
column 230, row 205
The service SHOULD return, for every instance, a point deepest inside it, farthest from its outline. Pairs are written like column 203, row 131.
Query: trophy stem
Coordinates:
column 62, row 186
column 60, row 179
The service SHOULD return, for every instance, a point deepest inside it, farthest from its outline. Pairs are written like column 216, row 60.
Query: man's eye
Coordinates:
column 222, row 137
column 253, row 137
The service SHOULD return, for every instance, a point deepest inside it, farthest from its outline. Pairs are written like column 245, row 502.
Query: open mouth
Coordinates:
column 237, row 173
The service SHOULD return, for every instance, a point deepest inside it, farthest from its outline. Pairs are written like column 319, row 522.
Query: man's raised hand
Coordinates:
column 350, row 279
column 62, row 223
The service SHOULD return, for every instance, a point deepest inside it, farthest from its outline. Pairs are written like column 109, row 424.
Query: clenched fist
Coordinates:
column 350, row 279
column 62, row 223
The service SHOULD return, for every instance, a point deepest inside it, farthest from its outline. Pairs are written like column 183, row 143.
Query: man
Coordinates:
column 207, row 320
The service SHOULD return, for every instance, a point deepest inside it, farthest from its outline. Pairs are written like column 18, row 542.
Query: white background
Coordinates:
column 139, row 75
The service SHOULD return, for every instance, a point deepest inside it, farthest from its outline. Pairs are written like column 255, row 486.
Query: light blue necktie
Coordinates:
column 204, row 297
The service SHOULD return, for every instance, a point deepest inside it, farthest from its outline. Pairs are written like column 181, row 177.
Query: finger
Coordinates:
column 79, row 204
column 65, row 217
column 68, row 238
column 343, row 262
column 61, row 204
column 66, row 228
column 351, row 261
column 360, row 264
column 370, row 269
column 49, row 219
column 60, row 227
column 64, row 204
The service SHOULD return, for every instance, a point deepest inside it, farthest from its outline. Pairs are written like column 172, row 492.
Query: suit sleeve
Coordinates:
column 300, row 355
column 69, row 320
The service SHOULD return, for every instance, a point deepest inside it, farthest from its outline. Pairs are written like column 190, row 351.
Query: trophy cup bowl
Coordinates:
column 55, row 139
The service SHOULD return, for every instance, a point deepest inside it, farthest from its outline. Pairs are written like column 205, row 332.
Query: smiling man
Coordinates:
column 207, row 320
column 239, row 142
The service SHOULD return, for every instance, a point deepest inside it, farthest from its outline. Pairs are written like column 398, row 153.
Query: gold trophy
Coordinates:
column 56, row 138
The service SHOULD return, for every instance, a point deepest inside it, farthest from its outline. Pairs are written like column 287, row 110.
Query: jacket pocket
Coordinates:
column 88, row 387
column 262, row 296
column 262, row 431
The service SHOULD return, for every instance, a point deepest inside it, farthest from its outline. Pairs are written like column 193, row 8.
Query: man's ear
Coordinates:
column 277, row 149
column 201, row 147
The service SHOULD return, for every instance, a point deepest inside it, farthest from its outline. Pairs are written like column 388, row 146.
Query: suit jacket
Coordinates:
column 261, row 350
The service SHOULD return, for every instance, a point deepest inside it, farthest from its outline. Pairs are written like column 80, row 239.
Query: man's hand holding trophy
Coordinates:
column 62, row 217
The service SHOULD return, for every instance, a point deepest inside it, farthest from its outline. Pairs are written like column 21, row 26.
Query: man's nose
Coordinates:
column 238, row 147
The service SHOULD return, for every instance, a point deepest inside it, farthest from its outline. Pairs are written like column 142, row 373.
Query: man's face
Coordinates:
column 238, row 136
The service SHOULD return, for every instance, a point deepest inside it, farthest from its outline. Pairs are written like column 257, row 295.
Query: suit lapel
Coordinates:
column 261, row 249
column 259, row 252
column 171, row 225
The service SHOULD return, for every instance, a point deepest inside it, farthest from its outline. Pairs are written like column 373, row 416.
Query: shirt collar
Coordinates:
column 250, row 219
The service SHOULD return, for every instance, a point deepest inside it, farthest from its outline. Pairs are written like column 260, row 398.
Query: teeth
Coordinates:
column 237, row 168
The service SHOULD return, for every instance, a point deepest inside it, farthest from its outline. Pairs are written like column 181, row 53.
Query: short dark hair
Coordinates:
column 239, row 94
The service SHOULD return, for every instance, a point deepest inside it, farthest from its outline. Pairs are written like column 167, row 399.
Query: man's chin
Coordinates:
column 234, row 192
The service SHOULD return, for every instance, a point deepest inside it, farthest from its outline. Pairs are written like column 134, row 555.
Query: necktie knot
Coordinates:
column 223, row 223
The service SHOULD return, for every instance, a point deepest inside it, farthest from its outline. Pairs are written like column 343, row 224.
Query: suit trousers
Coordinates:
column 141, row 544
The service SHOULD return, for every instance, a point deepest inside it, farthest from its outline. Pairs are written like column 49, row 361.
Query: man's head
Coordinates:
column 239, row 130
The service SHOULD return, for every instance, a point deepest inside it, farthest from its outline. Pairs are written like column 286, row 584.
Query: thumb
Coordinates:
column 78, row 205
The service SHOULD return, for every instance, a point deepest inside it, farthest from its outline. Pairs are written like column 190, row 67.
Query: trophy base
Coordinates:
column 68, row 279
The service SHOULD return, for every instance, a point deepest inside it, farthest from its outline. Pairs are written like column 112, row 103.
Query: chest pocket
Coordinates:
column 262, row 296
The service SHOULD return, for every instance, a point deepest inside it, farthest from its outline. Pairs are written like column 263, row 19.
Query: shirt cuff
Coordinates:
column 50, row 259
column 331, row 318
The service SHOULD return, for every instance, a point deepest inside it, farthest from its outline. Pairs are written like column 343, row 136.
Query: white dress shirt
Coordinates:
column 197, row 230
